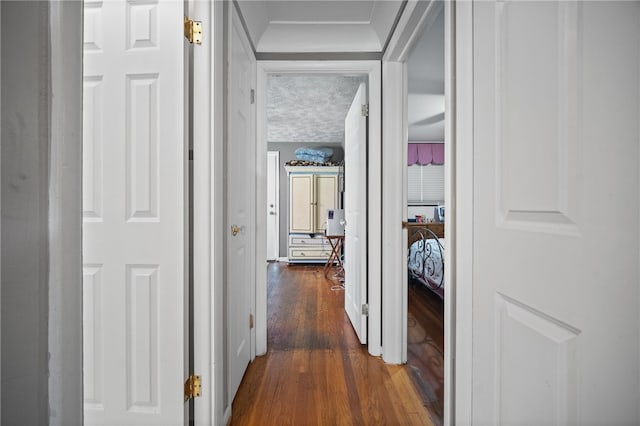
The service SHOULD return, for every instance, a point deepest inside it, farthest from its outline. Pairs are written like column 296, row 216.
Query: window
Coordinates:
column 425, row 184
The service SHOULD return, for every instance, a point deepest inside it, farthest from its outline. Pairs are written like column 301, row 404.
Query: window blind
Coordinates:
column 425, row 184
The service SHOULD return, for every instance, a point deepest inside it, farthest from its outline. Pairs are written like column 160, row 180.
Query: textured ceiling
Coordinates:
column 309, row 108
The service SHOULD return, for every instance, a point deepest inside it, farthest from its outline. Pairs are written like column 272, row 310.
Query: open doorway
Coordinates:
column 425, row 194
column 353, row 71
column 425, row 112
column 307, row 127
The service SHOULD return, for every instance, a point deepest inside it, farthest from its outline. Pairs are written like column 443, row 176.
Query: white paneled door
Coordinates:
column 134, row 212
column 355, row 201
column 241, row 209
column 273, row 205
column 556, row 213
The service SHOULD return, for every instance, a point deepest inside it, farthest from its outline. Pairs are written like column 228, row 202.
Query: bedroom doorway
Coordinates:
column 319, row 148
column 281, row 79
column 425, row 194
column 416, row 92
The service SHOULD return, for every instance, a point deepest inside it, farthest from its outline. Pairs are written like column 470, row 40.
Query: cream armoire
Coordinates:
column 312, row 191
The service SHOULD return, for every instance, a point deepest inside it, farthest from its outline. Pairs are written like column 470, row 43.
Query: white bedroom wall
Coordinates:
column 424, row 211
column 425, row 72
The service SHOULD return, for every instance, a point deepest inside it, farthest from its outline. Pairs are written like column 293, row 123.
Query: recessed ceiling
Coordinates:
column 303, row 26
column 309, row 108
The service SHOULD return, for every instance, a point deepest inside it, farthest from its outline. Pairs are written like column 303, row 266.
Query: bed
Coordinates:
column 425, row 259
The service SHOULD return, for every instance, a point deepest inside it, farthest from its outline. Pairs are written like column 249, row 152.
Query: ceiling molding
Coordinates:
column 320, row 26
column 313, row 37
column 244, row 25
column 319, row 56
column 417, row 16
column 394, row 26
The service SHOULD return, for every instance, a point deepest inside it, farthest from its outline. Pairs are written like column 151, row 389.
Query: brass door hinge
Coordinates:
column 193, row 31
column 192, row 387
column 365, row 110
column 250, row 321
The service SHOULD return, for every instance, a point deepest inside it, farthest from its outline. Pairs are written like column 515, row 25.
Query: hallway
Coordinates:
column 315, row 370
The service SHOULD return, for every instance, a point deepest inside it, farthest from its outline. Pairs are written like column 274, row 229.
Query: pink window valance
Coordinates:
column 425, row 153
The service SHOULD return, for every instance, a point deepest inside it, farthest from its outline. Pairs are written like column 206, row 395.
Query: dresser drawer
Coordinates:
column 300, row 253
column 301, row 240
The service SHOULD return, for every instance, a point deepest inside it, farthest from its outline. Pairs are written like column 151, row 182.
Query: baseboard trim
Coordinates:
column 226, row 419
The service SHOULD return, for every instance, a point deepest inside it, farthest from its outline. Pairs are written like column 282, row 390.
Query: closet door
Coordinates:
column 555, row 131
column 301, row 203
column 326, row 189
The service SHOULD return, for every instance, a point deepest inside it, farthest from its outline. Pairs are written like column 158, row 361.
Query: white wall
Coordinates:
column 425, row 69
column 40, row 146
column 65, row 220
column 25, row 172
column 0, row 212
column 425, row 211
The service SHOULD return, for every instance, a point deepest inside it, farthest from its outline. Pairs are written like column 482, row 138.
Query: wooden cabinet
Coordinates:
column 312, row 191
column 436, row 227
column 301, row 203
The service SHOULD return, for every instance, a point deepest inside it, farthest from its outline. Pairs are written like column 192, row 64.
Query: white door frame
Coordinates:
column 208, row 215
column 372, row 69
column 461, row 199
column 416, row 18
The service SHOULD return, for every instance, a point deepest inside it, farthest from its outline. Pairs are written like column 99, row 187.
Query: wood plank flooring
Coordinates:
column 315, row 371
column 425, row 347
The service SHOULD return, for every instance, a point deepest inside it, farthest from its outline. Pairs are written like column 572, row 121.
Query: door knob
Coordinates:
column 272, row 213
column 235, row 229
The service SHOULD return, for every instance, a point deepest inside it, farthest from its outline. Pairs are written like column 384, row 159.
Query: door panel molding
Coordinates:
column 545, row 157
column 521, row 332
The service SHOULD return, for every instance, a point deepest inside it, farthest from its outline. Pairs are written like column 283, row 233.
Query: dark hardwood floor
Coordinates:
column 316, row 372
column 425, row 347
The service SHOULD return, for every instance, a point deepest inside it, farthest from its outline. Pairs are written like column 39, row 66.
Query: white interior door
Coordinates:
column 240, row 203
column 355, row 199
column 556, row 225
column 273, row 205
column 133, row 213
